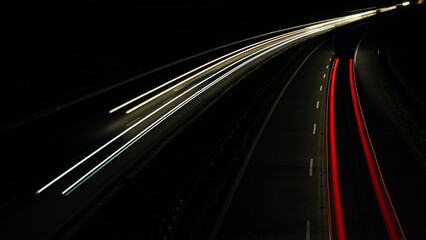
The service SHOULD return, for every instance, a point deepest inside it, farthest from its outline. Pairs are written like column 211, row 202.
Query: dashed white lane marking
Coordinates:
column 329, row 60
column 326, row 67
column 315, row 128
column 308, row 230
column 323, row 76
column 317, row 104
column 320, row 88
column 311, row 164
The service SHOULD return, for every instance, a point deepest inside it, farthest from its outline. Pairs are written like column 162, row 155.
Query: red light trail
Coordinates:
column 384, row 209
column 337, row 203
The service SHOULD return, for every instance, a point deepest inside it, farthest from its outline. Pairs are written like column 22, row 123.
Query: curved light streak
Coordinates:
column 140, row 121
column 137, row 123
column 250, row 58
column 337, row 202
column 380, row 195
column 236, row 52
column 242, row 50
column 130, row 128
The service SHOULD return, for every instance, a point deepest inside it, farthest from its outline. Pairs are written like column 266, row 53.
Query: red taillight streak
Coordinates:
column 390, row 227
column 337, row 203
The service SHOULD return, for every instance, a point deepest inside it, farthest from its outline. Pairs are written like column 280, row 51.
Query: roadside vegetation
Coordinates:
column 401, row 70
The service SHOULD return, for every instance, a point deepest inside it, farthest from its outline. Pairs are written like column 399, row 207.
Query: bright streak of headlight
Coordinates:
column 361, row 14
column 173, row 80
column 325, row 23
column 134, row 125
column 217, row 59
column 342, row 19
column 387, row 9
column 236, row 52
column 130, row 128
column 246, row 60
column 239, row 52
column 405, row 3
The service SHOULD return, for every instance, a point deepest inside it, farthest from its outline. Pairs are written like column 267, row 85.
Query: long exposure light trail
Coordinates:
column 127, row 130
column 185, row 74
column 297, row 34
column 337, row 202
column 236, row 52
column 232, row 55
column 380, row 195
column 250, row 58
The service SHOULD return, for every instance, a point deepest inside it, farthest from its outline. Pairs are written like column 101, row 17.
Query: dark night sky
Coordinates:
column 58, row 41
column 62, row 20
column 49, row 25
column 86, row 10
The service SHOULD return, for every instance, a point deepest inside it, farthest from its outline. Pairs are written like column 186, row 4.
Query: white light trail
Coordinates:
column 250, row 58
column 256, row 45
column 342, row 19
column 217, row 59
column 387, row 9
column 127, row 130
column 236, row 52
column 361, row 14
column 324, row 24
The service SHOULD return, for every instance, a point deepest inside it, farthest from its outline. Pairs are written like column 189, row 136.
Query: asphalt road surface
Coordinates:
column 401, row 169
column 48, row 186
column 283, row 191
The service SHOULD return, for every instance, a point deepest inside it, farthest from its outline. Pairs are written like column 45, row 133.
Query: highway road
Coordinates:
column 313, row 172
column 281, row 192
column 401, row 169
column 47, row 186
column 361, row 216
column 376, row 165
